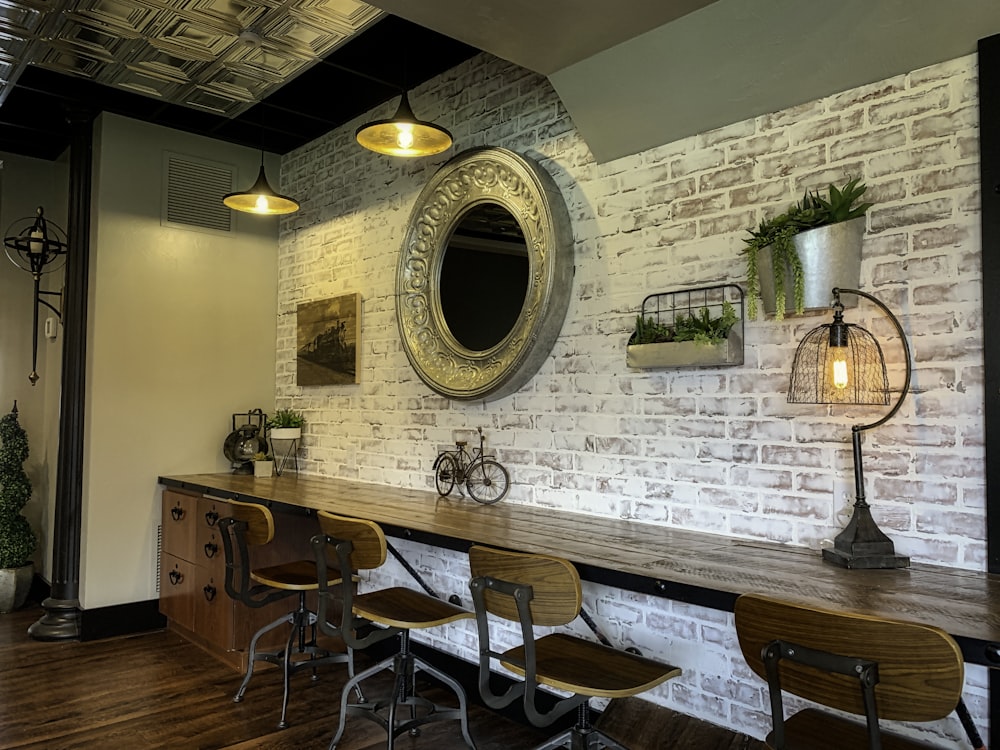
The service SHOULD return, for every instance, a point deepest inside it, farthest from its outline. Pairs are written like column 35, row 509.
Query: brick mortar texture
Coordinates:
column 716, row 450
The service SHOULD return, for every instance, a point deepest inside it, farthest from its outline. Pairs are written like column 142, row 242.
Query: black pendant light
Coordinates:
column 261, row 198
column 403, row 134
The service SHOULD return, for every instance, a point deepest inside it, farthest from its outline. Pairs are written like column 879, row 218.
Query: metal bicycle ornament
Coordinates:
column 483, row 476
column 37, row 246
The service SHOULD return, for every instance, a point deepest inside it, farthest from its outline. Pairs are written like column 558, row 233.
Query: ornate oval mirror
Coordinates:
column 485, row 275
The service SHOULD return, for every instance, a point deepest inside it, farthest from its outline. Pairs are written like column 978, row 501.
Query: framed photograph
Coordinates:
column 328, row 344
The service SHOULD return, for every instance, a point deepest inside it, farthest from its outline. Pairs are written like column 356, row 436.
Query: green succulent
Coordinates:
column 813, row 210
column 286, row 418
column 699, row 327
column 17, row 539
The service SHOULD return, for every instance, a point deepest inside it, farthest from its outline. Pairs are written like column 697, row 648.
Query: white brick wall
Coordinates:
column 713, row 450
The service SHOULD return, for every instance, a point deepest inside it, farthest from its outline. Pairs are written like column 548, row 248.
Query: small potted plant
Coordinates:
column 263, row 465
column 687, row 336
column 286, row 424
column 17, row 539
column 812, row 247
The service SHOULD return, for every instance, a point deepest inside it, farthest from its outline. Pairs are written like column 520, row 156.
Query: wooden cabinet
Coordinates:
column 193, row 594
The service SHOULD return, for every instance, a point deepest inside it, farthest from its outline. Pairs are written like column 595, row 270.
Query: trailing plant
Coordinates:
column 286, row 418
column 260, row 456
column 699, row 327
column 17, row 539
column 813, row 210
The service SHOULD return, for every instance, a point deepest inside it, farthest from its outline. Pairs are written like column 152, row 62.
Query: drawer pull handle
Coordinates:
column 211, row 548
column 175, row 577
column 211, row 517
column 177, row 512
column 209, row 591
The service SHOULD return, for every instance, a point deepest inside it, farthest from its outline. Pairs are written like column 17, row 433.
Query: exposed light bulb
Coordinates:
column 404, row 136
column 261, row 205
column 839, row 369
column 35, row 246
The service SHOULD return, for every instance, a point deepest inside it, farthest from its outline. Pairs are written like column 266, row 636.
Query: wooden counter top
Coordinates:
column 706, row 569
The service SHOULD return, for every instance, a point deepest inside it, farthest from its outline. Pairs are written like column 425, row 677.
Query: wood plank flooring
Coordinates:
column 156, row 690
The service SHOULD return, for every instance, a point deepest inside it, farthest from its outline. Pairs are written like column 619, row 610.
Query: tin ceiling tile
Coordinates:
column 215, row 102
column 66, row 59
column 130, row 18
column 142, row 82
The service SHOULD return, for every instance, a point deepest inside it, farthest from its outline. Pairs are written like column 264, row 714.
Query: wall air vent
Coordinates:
column 192, row 193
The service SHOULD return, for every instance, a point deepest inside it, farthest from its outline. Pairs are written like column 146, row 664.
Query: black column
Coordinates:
column 989, row 149
column 61, row 620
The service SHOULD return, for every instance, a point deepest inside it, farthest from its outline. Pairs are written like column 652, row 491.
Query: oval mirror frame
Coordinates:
column 530, row 195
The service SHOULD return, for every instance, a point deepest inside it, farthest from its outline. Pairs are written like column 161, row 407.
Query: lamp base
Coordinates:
column 862, row 545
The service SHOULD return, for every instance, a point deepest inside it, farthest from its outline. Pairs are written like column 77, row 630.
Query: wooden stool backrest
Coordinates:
column 366, row 537
column 920, row 667
column 555, row 584
column 259, row 521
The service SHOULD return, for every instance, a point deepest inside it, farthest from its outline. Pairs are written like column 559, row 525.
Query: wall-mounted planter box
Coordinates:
column 668, row 310
column 686, row 353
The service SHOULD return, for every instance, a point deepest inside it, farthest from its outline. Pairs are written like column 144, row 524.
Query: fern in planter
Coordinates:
column 814, row 210
column 17, row 539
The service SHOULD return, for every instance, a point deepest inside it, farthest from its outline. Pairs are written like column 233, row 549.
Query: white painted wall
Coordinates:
column 26, row 184
column 181, row 336
column 713, row 450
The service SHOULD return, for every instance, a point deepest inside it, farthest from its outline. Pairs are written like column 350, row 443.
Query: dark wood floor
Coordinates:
column 157, row 691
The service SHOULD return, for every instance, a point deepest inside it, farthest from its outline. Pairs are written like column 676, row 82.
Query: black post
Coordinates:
column 61, row 620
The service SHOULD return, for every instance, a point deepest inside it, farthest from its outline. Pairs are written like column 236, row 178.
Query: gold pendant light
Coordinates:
column 261, row 198
column 403, row 134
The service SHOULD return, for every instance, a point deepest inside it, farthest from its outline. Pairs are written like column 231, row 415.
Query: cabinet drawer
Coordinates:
column 177, row 590
column 178, row 524
column 213, row 613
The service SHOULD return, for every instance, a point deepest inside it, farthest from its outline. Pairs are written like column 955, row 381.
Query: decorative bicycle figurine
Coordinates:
column 484, row 477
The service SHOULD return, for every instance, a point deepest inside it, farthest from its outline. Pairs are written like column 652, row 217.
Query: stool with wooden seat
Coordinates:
column 361, row 545
column 250, row 526
column 540, row 590
column 868, row 666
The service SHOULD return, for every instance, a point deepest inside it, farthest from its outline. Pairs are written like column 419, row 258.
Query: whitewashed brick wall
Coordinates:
column 716, row 450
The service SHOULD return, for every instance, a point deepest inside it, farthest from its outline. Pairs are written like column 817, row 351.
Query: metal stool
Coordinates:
column 251, row 525
column 540, row 590
column 361, row 545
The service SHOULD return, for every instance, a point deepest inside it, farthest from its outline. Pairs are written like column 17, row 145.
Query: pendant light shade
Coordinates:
column 403, row 134
column 261, row 198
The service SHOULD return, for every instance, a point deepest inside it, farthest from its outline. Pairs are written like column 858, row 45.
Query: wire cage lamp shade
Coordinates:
column 403, row 134
column 261, row 198
column 839, row 363
column 842, row 363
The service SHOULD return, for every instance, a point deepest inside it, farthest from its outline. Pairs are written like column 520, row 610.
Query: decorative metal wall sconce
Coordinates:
column 38, row 246
column 261, row 198
column 842, row 363
column 403, row 134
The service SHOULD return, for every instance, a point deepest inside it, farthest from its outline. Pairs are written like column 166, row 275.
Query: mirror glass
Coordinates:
column 484, row 277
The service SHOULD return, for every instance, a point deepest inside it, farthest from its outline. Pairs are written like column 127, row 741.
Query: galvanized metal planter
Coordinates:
column 830, row 256
column 668, row 309
column 687, row 353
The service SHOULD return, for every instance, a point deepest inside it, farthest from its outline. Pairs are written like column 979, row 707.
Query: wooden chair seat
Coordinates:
column 812, row 729
column 299, row 575
column 578, row 666
column 400, row 607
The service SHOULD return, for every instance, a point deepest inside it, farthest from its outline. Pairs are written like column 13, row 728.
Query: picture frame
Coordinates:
column 328, row 341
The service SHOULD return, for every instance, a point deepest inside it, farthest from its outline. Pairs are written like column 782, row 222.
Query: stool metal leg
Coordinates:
column 252, row 656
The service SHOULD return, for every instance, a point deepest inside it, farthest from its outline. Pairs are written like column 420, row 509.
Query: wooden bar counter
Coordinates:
column 704, row 569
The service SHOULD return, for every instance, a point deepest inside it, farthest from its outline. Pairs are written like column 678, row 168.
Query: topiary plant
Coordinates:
column 17, row 539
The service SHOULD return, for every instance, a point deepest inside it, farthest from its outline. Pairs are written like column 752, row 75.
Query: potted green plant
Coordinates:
column 17, row 539
column 702, row 337
column 286, row 424
column 812, row 247
column 263, row 465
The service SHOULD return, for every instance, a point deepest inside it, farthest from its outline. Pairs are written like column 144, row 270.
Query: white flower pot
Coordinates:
column 286, row 433
column 263, row 469
column 15, row 583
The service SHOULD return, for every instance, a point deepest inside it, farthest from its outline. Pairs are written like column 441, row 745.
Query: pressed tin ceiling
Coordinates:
column 263, row 73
